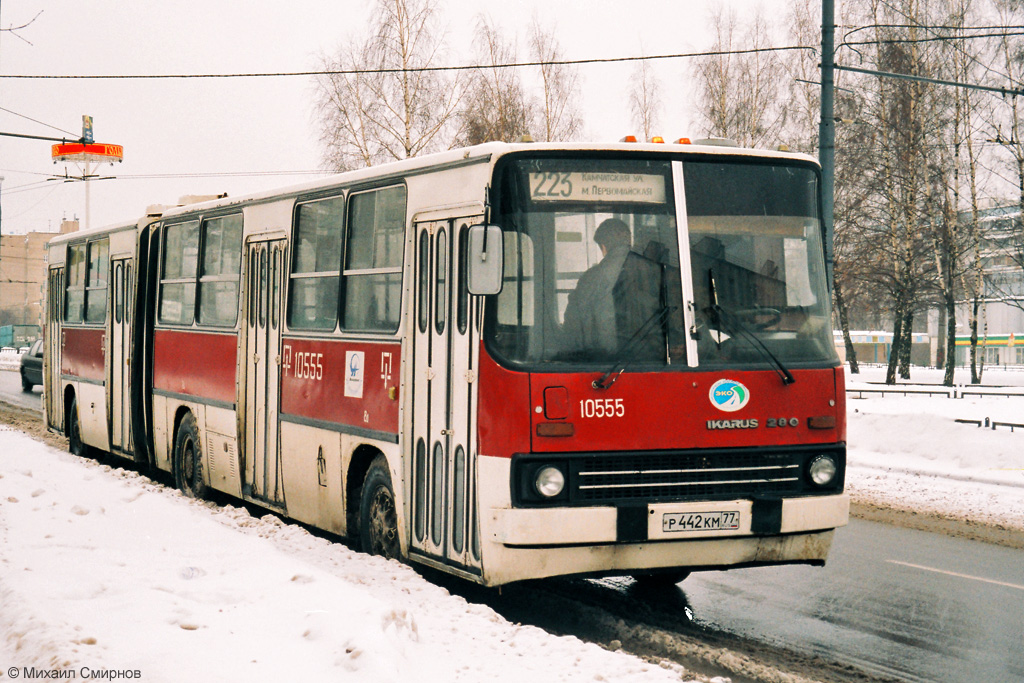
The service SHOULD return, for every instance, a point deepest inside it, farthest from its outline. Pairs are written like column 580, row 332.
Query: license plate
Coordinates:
column 700, row 521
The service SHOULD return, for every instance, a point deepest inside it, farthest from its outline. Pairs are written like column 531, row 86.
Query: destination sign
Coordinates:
column 597, row 187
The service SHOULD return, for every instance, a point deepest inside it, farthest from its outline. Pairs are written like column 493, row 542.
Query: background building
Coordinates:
column 23, row 277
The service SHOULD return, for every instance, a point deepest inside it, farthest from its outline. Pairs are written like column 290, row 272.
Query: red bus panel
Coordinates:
column 200, row 364
column 342, row 382
column 83, row 353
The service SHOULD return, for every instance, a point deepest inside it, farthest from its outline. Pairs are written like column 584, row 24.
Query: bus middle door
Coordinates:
column 261, row 474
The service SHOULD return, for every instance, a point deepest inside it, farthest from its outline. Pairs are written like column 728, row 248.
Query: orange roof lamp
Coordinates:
column 86, row 151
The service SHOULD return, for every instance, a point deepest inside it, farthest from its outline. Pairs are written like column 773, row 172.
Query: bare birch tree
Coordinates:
column 644, row 99
column 384, row 106
column 739, row 94
column 559, row 111
column 495, row 107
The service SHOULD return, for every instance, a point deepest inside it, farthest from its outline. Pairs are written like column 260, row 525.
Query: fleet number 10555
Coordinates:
column 602, row 407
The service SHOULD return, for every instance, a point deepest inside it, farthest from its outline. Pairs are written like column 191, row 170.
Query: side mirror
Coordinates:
column 485, row 260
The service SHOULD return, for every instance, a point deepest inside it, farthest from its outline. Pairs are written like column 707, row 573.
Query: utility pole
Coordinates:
column 827, row 131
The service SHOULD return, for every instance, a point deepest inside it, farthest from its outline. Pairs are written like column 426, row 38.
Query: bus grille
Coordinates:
column 683, row 476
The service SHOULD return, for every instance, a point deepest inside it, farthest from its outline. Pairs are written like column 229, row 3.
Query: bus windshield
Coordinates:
column 593, row 273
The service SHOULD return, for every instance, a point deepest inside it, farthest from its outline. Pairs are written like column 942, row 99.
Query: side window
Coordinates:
column 88, row 270
column 424, row 281
column 119, row 293
column 96, row 281
column 75, row 307
column 313, row 286
column 516, row 301
column 178, row 276
column 462, row 306
column 373, row 264
column 222, row 261
column 441, row 282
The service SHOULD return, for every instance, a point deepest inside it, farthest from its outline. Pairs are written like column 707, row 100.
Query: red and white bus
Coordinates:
column 437, row 358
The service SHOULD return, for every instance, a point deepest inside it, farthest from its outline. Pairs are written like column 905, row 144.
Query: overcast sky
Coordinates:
column 264, row 126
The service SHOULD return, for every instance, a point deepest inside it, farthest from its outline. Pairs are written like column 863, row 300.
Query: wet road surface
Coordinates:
column 10, row 392
column 894, row 602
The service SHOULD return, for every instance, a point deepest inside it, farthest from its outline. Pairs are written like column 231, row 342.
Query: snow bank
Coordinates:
column 909, row 451
column 103, row 569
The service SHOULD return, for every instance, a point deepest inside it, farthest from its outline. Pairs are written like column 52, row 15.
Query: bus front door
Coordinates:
column 445, row 341
column 262, row 469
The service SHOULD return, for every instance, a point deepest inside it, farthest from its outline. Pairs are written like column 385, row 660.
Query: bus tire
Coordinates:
column 75, row 445
column 378, row 518
column 188, row 459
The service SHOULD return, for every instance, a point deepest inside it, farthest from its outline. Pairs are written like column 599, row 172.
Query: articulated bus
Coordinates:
column 507, row 362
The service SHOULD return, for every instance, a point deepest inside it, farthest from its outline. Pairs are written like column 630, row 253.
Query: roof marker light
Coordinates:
column 628, row 138
column 658, row 139
column 683, row 141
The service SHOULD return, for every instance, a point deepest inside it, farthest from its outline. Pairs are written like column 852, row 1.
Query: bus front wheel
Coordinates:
column 188, row 459
column 378, row 519
column 75, row 445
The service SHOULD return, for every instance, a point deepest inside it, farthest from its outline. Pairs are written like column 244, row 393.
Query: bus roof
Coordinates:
column 480, row 153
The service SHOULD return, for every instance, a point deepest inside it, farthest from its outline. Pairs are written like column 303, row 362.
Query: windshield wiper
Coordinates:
column 642, row 332
column 724, row 320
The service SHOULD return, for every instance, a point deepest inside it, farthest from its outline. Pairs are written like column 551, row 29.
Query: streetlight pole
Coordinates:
column 827, row 131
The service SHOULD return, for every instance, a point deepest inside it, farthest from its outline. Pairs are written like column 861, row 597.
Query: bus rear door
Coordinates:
column 120, row 412
column 54, row 341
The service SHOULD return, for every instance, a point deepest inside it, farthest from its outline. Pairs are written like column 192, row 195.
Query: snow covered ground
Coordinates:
column 110, row 575
column 909, row 452
column 104, row 570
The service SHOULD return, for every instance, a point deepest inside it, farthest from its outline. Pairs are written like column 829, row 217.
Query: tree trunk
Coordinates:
column 906, row 342
column 950, row 338
column 844, row 325
column 975, row 305
column 897, row 340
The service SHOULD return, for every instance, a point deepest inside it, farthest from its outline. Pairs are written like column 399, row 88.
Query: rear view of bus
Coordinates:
column 658, row 385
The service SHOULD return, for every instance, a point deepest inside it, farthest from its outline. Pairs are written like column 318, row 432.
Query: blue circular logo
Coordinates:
column 728, row 395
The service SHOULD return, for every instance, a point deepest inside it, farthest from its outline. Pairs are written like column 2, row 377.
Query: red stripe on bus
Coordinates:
column 342, row 382
column 200, row 364
column 82, row 354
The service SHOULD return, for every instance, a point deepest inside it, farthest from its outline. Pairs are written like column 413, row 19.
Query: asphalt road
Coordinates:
column 10, row 392
column 896, row 603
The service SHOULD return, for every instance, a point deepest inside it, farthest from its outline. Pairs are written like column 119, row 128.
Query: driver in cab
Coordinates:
column 615, row 302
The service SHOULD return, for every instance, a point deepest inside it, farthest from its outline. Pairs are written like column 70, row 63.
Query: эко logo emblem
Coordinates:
column 728, row 395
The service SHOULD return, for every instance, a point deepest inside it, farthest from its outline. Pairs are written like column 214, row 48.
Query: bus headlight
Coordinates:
column 822, row 470
column 549, row 481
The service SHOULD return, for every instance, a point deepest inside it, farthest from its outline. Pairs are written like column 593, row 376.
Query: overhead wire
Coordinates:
column 425, row 69
column 41, row 123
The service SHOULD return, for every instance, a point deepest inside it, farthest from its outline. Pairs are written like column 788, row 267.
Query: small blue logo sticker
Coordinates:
column 354, row 364
column 728, row 395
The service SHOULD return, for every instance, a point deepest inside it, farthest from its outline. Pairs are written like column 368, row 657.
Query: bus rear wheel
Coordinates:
column 188, row 459
column 378, row 518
